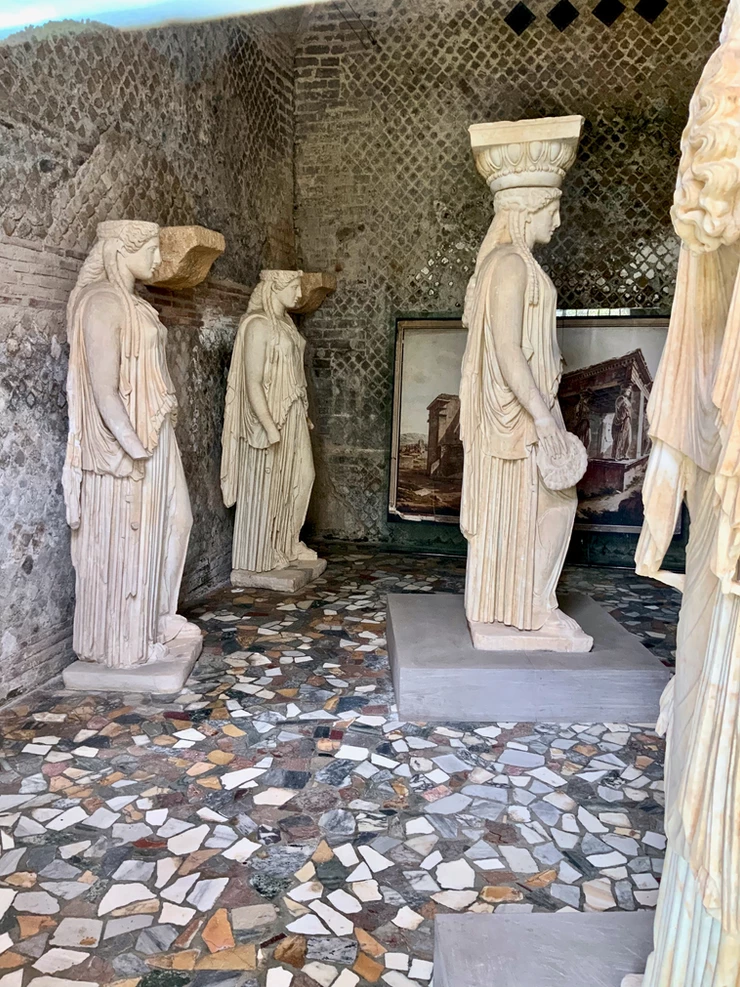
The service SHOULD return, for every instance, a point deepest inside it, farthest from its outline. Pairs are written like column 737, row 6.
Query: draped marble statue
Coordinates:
column 521, row 466
column 694, row 415
column 125, row 492
column 267, row 463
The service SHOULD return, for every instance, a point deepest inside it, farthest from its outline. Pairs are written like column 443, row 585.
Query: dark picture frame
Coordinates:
column 610, row 364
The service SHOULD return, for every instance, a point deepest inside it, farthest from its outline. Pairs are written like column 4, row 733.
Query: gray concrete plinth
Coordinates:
column 439, row 675
column 165, row 676
column 541, row 950
column 290, row 580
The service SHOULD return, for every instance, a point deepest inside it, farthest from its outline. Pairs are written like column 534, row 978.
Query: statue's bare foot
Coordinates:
column 306, row 554
column 157, row 652
column 560, row 624
column 171, row 625
column 560, row 627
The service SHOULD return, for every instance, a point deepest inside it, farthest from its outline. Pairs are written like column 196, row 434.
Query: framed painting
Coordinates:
column 610, row 365
column 426, row 452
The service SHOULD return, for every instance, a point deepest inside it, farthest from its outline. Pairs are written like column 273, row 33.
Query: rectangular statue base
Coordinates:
column 499, row 637
column 439, row 676
column 159, row 677
column 541, row 950
column 289, row 580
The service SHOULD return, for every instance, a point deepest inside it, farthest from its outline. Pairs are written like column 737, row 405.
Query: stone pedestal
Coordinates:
column 439, row 676
column 289, row 580
column 553, row 636
column 167, row 675
column 541, row 950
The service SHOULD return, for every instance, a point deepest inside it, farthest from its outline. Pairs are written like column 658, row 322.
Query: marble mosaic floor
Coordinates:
column 276, row 825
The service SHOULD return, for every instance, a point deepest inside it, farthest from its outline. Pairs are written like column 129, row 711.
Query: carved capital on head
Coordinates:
column 526, row 153
column 187, row 255
column 315, row 286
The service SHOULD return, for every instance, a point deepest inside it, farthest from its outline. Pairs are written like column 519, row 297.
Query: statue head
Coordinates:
column 527, row 215
column 123, row 247
column 283, row 287
column 128, row 244
column 706, row 207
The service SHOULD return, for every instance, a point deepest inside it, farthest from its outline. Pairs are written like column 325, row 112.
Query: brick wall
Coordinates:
column 178, row 125
column 386, row 189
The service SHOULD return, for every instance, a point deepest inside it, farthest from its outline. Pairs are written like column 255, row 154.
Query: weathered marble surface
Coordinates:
column 694, row 412
column 188, row 252
column 289, row 580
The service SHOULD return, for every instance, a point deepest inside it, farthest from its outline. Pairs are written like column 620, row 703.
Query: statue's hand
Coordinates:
column 273, row 434
column 133, row 447
column 551, row 436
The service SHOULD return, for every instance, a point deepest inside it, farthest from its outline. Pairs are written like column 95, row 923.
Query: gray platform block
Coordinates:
column 541, row 950
column 439, row 675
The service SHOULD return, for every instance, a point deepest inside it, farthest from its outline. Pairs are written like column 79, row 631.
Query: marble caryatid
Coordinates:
column 694, row 415
column 521, row 465
column 125, row 491
column 267, row 464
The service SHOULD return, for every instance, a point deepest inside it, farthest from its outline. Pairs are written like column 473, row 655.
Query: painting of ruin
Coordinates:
column 427, row 456
column 610, row 365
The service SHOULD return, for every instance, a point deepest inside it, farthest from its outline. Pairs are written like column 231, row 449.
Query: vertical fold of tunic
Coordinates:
column 691, row 948
column 119, row 566
column 501, row 554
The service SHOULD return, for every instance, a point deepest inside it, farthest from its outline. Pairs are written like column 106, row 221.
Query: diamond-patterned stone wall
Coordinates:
column 386, row 189
column 179, row 126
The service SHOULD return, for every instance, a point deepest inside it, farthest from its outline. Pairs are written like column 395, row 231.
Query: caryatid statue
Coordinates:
column 267, row 464
column 521, row 465
column 694, row 415
column 124, row 486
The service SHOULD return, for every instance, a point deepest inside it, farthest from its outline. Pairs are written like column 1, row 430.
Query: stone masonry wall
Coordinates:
column 387, row 192
column 178, row 126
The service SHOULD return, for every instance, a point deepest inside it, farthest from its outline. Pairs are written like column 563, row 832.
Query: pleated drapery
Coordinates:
column 504, row 502
column 119, row 552
column 130, row 519
column 270, row 484
column 275, row 488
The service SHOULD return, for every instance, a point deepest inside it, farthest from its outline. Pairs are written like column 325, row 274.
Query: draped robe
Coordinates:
column 517, row 529
column 694, row 415
column 270, row 485
column 130, row 519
